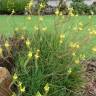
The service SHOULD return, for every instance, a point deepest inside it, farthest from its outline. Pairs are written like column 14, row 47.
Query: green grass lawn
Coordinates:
column 9, row 23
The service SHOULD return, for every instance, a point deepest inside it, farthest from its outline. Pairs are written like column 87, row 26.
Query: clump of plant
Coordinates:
column 53, row 58
column 80, row 7
column 7, row 6
column 49, row 61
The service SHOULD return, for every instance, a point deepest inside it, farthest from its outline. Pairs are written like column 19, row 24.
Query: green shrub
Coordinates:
column 80, row 8
column 93, row 8
column 6, row 6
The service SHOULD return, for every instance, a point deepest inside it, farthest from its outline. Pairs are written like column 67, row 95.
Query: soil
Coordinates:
column 90, row 76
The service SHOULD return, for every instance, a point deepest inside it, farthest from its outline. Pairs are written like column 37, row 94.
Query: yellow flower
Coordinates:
column 44, row 29
column 69, row 71
column 61, row 41
column 22, row 89
column 94, row 49
column 29, row 18
column 7, row 44
column 77, row 46
column 62, row 36
column 57, row 12
column 1, row 51
column 76, row 15
column 80, row 28
column 15, row 77
column 16, row 29
column 38, row 94
column 42, row 5
column 36, row 56
column 13, row 11
column 82, row 56
column 77, row 61
column 28, row 43
column 30, row 4
column 92, row 33
column 46, row 88
column 20, row 84
column 73, row 54
column 13, row 94
column 71, row 14
column 74, row 45
column 30, row 54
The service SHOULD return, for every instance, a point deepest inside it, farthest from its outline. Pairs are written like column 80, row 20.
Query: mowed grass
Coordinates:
column 9, row 23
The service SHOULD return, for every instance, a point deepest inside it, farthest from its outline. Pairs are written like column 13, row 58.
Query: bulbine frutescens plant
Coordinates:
column 50, row 57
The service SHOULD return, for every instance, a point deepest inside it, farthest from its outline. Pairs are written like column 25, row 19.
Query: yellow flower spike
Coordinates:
column 30, row 54
column 94, row 49
column 69, row 71
column 28, row 43
column 15, row 77
column 22, row 89
column 29, row 18
column 7, row 44
column 38, row 94
column 77, row 61
column 46, row 88
column 57, row 12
